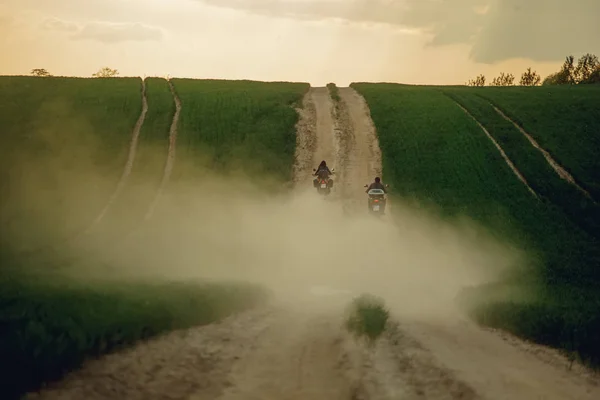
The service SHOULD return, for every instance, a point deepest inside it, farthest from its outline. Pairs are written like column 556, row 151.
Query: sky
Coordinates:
column 315, row 41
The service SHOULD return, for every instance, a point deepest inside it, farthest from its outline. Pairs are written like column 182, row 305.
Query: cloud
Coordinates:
column 114, row 32
column 542, row 30
column 107, row 32
column 497, row 30
column 428, row 16
column 59, row 25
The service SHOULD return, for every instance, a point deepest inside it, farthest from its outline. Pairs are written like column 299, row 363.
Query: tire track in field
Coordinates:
column 170, row 152
column 82, row 232
column 506, row 158
column 559, row 169
column 128, row 165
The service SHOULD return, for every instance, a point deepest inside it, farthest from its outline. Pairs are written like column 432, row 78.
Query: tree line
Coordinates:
column 104, row 72
column 587, row 71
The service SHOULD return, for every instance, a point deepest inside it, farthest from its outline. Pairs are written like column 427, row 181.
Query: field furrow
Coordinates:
column 170, row 152
column 64, row 145
column 508, row 161
column 563, row 120
column 560, row 171
column 143, row 184
column 532, row 163
column 135, row 134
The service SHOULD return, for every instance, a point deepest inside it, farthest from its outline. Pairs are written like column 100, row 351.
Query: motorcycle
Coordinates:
column 377, row 201
column 323, row 183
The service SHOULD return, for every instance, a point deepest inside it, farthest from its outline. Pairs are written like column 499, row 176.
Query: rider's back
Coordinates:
column 376, row 185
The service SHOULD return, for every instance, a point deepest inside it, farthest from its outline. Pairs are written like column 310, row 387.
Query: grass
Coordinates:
column 564, row 120
column 237, row 126
column 561, row 316
column 52, row 323
column 148, row 168
column 367, row 317
column 334, row 92
column 434, row 155
column 56, row 133
column 531, row 163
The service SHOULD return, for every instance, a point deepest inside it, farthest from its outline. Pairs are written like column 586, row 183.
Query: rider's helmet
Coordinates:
column 323, row 164
column 377, row 179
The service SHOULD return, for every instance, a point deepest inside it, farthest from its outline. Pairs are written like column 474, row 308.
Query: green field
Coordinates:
column 50, row 325
column 563, row 120
column 63, row 146
column 53, row 320
column 531, row 163
column 234, row 126
column 435, row 155
column 148, row 168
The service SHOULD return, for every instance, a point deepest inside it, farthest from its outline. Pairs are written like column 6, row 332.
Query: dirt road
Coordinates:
column 297, row 349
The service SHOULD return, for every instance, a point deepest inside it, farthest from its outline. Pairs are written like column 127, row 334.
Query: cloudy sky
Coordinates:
column 316, row 41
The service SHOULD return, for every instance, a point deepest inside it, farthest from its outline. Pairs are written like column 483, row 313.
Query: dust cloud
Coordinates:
column 297, row 245
column 55, row 178
column 224, row 226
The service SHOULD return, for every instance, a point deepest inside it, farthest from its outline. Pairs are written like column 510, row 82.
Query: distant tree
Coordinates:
column 587, row 71
column 551, row 79
column 504, row 80
column 566, row 75
column 106, row 72
column 530, row 78
column 478, row 81
column 586, row 66
column 40, row 72
column 593, row 78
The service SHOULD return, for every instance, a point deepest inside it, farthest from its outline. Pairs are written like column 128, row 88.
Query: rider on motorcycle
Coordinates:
column 322, row 171
column 377, row 198
column 376, row 185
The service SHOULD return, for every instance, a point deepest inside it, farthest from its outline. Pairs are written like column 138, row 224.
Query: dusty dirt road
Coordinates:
column 296, row 347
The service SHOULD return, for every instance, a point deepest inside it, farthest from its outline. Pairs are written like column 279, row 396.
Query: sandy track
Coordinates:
column 498, row 366
column 362, row 158
column 326, row 143
column 298, row 356
column 316, row 140
column 181, row 365
column 299, row 350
